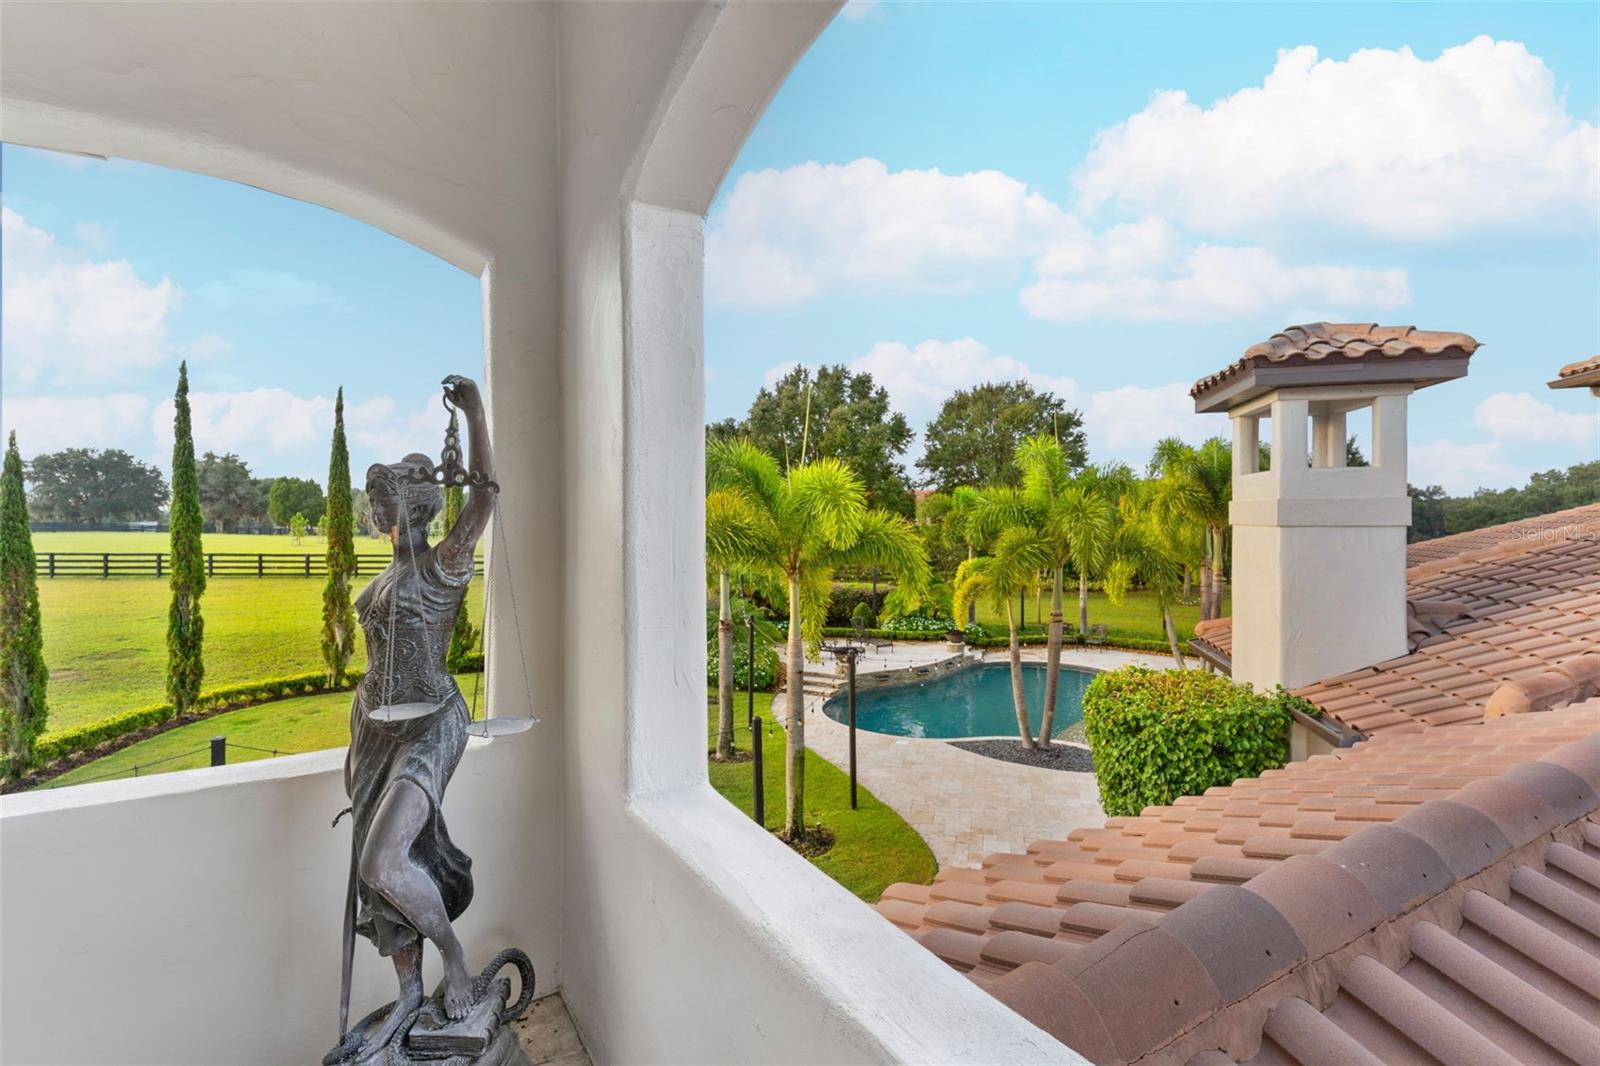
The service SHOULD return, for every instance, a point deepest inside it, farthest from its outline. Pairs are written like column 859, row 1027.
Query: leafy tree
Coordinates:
column 1427, row 512
column 23, row 675
column 297, row 527
column 849, row 420
column 84, row 485
column 338, row 618
column 1435, row 513
column 227, row 491
column 291, row 495
column 817, row 519
column 736, row 533
column 463, row 635
column 260, row 506
column 185, row 626
column 978, row 430
column 361, row 510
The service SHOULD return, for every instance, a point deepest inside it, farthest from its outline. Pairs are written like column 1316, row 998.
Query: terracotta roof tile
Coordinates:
column 1389, row 351
column 1142, row 964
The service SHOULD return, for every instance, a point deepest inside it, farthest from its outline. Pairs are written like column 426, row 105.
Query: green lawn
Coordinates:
column 309, row 723
column 873, row 846
column 1135, row 616
column 105, row 640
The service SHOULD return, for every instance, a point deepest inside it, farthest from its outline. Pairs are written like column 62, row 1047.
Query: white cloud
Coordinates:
column 1125, row 423
column 1212, row 283
column 68, row 320
column 265, row 290
column 1462, row 468
column 50, row 423
column 247, row 421
column 1519, row 416
column 1383, row 141
column 788, row 236
column 921, row 378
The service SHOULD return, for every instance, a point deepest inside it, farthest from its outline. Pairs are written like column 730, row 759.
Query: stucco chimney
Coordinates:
column 1319, row 548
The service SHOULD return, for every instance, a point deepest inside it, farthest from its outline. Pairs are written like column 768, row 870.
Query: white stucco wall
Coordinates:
column 677, row 929
column 1319, row 552
column 195, row 917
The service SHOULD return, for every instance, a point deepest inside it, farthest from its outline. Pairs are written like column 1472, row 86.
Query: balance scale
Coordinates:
column 452, row 474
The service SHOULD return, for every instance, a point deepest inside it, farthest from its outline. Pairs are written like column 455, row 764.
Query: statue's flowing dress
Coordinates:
column 405, row 665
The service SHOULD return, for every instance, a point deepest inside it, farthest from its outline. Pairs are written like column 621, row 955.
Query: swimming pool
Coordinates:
column 975, row 702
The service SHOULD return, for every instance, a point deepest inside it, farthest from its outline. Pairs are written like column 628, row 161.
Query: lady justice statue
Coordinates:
column 408, row 728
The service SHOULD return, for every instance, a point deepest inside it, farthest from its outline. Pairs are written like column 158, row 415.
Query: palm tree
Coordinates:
column 1197, row 483
column 1075, row 516
column 1150, row 548
column 737, row 531
column 1019, row 554
column 815, row 519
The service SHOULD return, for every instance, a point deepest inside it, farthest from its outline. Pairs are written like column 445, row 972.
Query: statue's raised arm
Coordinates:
column 456, row 549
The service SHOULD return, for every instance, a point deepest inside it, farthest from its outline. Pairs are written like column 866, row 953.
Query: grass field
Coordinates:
column 309, row 723
column 105, row 641
column 1135, row 616
column 873, row 846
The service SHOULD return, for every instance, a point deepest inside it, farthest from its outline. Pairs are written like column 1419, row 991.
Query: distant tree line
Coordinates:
column 93, row 486
column 1434, row 513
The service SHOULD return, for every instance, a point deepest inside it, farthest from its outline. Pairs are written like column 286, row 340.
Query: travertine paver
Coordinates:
column 965, row 805
column 548, row 1036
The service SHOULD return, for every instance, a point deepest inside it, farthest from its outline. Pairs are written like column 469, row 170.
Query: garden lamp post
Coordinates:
column 750, row 674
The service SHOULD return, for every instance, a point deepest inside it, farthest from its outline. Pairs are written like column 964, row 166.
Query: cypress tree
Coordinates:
column 23, row 675
column 185, row 628
column 338, row 618
column 464, row 635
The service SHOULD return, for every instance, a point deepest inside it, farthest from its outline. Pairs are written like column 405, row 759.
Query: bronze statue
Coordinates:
column 408, row 728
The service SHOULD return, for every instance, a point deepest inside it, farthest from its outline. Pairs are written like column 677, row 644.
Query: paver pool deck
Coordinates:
column 964, row 805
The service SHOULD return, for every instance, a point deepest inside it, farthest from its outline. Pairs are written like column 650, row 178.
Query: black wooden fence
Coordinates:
column 218, row 564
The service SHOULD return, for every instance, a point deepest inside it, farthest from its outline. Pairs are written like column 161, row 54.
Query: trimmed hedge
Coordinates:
column 53, row 746
column 1157, row 735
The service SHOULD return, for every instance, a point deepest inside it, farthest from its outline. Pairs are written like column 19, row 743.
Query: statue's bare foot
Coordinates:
column 405, row 1008
column 457, row 989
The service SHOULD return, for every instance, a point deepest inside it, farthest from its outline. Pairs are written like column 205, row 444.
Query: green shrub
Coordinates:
column 766, row 664
column 1157, row 735
column 864, row 615
column 844, row 599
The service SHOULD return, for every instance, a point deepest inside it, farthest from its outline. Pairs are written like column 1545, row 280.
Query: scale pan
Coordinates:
column 499, row 727
column 403, row 712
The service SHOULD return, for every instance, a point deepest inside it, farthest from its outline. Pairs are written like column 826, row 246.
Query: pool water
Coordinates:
column 975, row 702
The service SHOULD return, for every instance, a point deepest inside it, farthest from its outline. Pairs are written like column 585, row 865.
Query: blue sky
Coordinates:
column 942, row 194
column 1352, row 210
column 115, row 271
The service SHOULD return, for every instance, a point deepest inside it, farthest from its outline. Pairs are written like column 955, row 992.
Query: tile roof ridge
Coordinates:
column 1207, row 973
column 1518, row 534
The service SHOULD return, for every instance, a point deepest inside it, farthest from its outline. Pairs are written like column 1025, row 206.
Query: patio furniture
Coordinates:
column 1096, row 637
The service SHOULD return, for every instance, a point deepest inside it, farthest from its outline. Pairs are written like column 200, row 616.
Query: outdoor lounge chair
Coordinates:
column 1096, row 637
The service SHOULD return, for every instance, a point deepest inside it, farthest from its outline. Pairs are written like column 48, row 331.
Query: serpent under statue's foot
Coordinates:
column 405, row 1034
